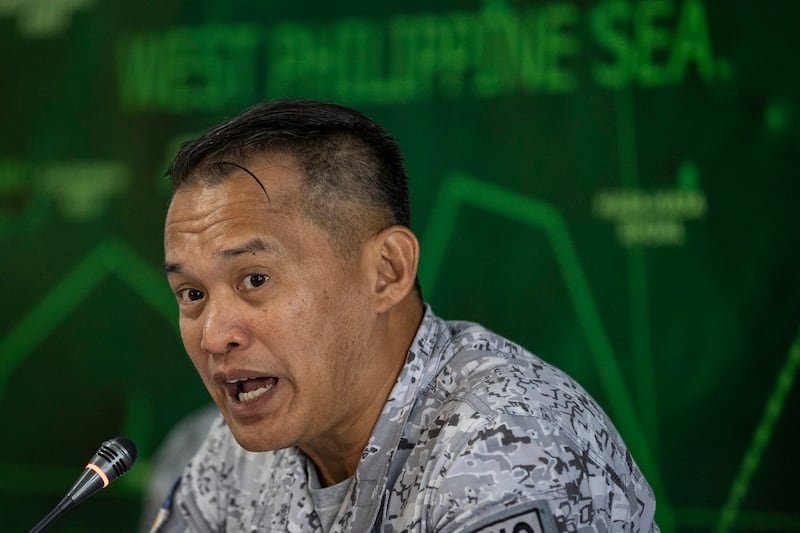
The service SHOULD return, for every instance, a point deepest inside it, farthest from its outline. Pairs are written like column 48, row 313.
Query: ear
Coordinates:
column 396, row 266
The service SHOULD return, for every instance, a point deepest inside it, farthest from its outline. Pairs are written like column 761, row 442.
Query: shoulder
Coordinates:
column 522, row 469
column 508, row 435
column 491, row 466
column 501, row 378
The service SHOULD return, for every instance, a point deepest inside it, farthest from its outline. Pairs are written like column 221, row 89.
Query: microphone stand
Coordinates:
column 57, row 511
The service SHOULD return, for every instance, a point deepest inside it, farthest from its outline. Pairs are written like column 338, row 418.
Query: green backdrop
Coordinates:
column 611, row 183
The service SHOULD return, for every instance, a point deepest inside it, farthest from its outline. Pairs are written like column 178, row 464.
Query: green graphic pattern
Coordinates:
column 610, row 183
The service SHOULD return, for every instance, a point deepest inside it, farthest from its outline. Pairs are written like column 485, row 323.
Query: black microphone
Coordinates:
column 114, row 458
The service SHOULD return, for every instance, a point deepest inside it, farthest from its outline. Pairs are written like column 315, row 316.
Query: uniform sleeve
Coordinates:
column 515, row 473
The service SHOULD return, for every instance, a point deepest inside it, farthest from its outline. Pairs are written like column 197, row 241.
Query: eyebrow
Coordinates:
column 252, row 246
column 172, row 268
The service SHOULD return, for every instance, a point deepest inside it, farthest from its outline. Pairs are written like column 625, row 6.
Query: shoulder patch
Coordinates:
column 529, row 517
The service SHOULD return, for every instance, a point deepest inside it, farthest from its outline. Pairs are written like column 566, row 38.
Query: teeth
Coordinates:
column 247, row 396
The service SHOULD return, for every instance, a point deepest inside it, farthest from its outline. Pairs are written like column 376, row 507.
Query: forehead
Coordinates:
column 207, row 217
column 275, row 171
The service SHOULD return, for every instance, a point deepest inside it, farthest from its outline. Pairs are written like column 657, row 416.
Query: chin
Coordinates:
column 257, row 443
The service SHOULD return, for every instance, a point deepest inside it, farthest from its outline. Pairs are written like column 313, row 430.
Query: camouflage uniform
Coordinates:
column 477, row 435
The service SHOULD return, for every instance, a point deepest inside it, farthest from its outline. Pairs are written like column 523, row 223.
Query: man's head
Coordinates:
column 354, row 180
column 294, row 272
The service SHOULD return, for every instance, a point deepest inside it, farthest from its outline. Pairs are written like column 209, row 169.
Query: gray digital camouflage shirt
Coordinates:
column 476, row 435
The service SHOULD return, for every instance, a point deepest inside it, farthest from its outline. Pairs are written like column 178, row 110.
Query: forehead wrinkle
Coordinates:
column 255, row 245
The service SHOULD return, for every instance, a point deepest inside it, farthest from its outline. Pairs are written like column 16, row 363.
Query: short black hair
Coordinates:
column 354, row 177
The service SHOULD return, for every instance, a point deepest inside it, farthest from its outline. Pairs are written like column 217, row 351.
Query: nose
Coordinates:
column 223, row 329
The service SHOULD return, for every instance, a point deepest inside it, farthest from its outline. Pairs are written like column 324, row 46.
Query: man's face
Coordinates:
column 275, row 321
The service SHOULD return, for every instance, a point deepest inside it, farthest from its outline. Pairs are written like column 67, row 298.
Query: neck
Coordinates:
column 337, row 457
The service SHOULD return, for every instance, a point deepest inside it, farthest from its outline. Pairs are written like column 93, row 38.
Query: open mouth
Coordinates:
column 247, row 389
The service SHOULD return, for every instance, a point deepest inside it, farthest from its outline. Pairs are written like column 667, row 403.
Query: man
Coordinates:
column 347, row 404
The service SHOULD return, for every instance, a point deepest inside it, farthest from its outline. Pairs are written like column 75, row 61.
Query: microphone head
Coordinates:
column 114, row 458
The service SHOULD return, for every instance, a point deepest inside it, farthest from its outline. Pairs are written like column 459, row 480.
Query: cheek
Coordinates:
column 188, row 332
column 190, row 335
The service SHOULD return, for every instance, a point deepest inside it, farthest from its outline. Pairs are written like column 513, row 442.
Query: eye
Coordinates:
column 253, row 281
column 187, row 296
